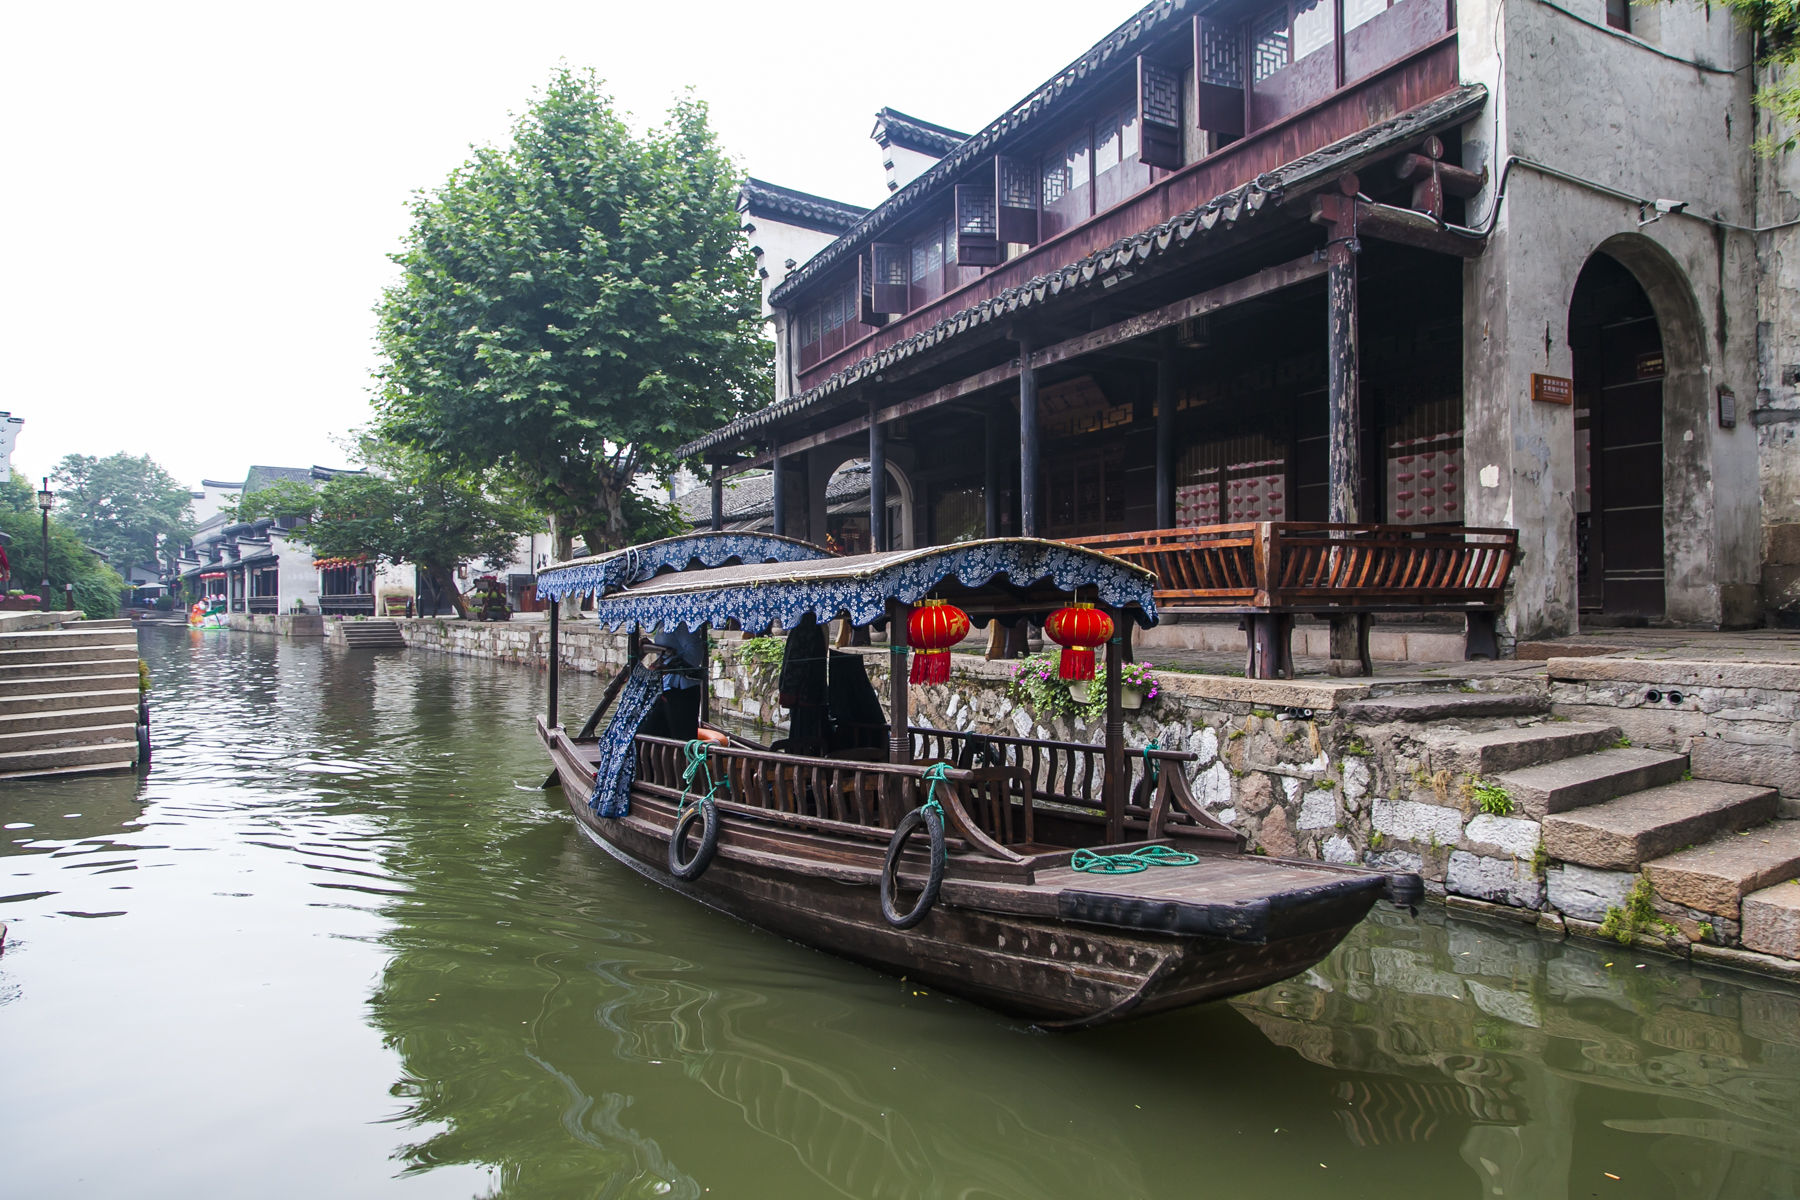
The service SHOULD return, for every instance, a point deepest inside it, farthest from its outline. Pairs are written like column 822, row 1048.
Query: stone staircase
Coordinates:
column 68, row 699
column 1595, row 814
column 372, row 635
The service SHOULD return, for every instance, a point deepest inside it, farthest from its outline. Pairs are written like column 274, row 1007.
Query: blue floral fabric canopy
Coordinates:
column 999, row 576
column 606, row 573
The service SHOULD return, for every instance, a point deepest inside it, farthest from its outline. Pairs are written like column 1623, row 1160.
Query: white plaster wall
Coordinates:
column 1610, row 109
column 903, row 165
column 774, row 244
column 299, row 579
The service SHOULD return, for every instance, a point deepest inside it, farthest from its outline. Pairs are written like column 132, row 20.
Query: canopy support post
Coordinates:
column 550, row 703
column 990, row 475
column 718, row 497
column 878, row 532
column 778, row 478
column 899, row 691
column 1028, row 440
column 1165, row 436
column 1114, row 796
column 706, row 672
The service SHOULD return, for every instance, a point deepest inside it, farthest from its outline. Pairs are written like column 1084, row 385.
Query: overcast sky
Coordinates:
column 199, row 199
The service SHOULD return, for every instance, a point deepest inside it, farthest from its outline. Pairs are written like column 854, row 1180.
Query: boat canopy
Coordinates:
column 600, row 574
column 998, row 577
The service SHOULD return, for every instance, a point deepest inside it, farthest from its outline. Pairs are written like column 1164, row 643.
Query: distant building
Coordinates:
column 9, row 437
column 260, row 566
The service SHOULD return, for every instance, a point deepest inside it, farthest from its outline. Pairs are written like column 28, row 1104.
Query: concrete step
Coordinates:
column 1716, row 876
column 373, row 635
column 106, row 623
column 1438, row 706
column 49, row 670
column 83, row 768
column 1571, row 783
column 69, row 653
column 1511, row 749
column 68, row 718
column 42, row 685
column 1623, row 834
column 38, row 639
column 15, row 762
column 116, row 695
column 73, row 735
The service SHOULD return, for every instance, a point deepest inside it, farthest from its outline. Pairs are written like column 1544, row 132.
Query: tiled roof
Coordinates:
column 259, row 477
column 1130, row 36
column 760, row 198
column 751, row 496
column 1297, row 178
column 893, row 127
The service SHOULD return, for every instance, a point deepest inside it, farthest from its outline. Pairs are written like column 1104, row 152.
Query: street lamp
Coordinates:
column 46, row 498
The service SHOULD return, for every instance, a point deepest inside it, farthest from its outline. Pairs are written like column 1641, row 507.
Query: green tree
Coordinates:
column 283, row 498
column 125, row 506
column 575, row 306
column 97, row 586
column 410, row 510
column 1774, row 27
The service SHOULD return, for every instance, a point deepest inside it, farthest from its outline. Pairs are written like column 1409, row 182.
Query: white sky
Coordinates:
column 199, row 199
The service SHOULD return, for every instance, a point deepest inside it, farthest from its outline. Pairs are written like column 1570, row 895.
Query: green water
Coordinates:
column 338, row 944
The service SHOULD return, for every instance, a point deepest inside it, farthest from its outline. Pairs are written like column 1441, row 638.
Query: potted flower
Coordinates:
column 1136, row 685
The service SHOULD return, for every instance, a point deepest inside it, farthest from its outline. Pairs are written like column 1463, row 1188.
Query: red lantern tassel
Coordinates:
column 1077, row 663
column 933, row 666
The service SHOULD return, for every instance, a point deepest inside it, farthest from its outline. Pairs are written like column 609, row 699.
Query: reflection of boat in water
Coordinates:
column 209, row 614
column 1071, row 884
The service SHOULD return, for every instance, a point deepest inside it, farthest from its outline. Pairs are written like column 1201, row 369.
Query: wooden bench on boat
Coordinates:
column 811, row 845
column 1267, row 571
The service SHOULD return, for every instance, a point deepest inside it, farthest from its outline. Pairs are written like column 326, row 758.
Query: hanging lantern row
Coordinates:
column 1078, row 629
column 936, row 625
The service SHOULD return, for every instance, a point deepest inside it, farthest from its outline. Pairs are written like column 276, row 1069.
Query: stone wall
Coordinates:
column 582, row 647
column 280, row 624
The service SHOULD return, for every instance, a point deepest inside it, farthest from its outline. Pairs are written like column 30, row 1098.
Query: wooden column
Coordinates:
column 1113, row 795
column 779, row 479
column 718, row 497
column 878, row 533
column 1028, row 441
column 706, row 673
column 1165, row 435
column 899, row 691
column 1350, row 631
column 990, row 476
column 550, row 704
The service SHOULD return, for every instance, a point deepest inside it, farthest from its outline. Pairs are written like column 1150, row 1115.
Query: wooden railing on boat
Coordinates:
column 1300, row 566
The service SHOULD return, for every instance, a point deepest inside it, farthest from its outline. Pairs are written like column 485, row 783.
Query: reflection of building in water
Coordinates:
column 1460, row 1030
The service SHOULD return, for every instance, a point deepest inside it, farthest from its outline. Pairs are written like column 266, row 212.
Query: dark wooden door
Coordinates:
column 1625, row 537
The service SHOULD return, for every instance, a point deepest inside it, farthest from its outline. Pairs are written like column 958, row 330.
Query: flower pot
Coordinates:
column 1130, row 697
column 1078, row 690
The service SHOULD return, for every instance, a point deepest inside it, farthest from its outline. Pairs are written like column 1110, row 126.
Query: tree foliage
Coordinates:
column 97, row 586
column 283, row 498
column 1775, row 27
column 125, row 506
column 410, row 510
column 575, row 306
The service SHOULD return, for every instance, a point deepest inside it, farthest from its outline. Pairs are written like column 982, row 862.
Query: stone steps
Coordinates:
column 1496, row 750
column 55, row 654
column 114, row 693
column 51, row 719
column 42, row 685
column 11, row 671
column 70, row 635
column 60, row 737
column 373, row 635
column 98, row 756
column 1571, row 783
column 1623, row 834
column 1715, row 877
column 1440, row 706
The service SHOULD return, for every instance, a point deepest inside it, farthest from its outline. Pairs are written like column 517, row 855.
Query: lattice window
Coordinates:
column 1239, row 479
column 1425, row 464
column 1057, row 182
column 834, row 313
column 976, row 215
column 1221, row 55
column 1015, row 184
column 1269, row 45
column 1162, row 95
column 809, row 326
column 891, row 265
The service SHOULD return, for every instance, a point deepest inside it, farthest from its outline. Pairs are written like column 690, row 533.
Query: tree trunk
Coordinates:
column 445, row 580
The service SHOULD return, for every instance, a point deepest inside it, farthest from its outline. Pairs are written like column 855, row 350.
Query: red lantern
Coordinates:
column 1078, row 629
column 935, row 627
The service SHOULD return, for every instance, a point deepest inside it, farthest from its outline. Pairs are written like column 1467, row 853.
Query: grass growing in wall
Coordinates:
column 1493, row 799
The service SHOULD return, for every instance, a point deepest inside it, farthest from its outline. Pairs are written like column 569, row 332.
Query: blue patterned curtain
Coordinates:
column 617, row 768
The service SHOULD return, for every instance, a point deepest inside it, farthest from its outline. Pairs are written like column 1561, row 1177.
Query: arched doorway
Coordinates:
column 1617, row 347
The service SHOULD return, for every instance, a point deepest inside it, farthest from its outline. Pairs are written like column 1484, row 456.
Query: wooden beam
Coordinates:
column 1260, row 284
column 1386, row 223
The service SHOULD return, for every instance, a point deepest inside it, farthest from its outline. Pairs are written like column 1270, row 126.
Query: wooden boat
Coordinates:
column 811, row 838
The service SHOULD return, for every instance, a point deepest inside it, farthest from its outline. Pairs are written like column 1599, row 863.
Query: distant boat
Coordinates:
column 209, row 614
column 1070, row 884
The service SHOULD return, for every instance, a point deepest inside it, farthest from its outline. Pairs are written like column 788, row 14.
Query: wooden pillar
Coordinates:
column 718, row 497
column 1028, row 441
column 778, row 478
column 1349, row 631
column 878, row 531
column 1165, row 435
column 1114, row 794
column 706, row 672
column 550, row 704
column 899, row 690
column 990, row 477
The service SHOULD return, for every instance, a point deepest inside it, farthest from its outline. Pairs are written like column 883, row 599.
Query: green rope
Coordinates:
column 1152, row 768
column 1132, row 861
column 697, row 762
column 937, row 773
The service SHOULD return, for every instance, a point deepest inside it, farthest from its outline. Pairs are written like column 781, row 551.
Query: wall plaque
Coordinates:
column 1552, row 389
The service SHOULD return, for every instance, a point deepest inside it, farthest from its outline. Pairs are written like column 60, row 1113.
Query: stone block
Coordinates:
column 1318, row 810
column 1664, row 673
column 1338, row 849
column 1762, row 764
column 1410, row 821
column 1398, row 862
column 1509, row 835
column 1772, row 920
column 1435, row 647
column 1585, row 893
column 1714, row 878
column 1501, row 880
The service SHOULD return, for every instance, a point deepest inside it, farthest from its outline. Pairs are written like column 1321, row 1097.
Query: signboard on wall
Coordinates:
column 1552, row 389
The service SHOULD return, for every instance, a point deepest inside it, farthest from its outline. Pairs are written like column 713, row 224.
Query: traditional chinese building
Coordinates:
column 1497, row 263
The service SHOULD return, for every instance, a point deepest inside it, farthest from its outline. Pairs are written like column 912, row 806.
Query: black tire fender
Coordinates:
column 890, row 870
column 708, row 815
column 1403, row 891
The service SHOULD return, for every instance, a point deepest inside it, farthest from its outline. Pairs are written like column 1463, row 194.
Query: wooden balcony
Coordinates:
column 1270, row 570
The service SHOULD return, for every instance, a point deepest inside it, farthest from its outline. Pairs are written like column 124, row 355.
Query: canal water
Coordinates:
column 338, row 943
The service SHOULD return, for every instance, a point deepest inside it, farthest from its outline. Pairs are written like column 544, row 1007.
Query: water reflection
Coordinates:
column 363, row 945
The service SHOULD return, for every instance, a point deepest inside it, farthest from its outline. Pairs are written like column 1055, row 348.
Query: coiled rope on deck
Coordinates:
column 1132, row 861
